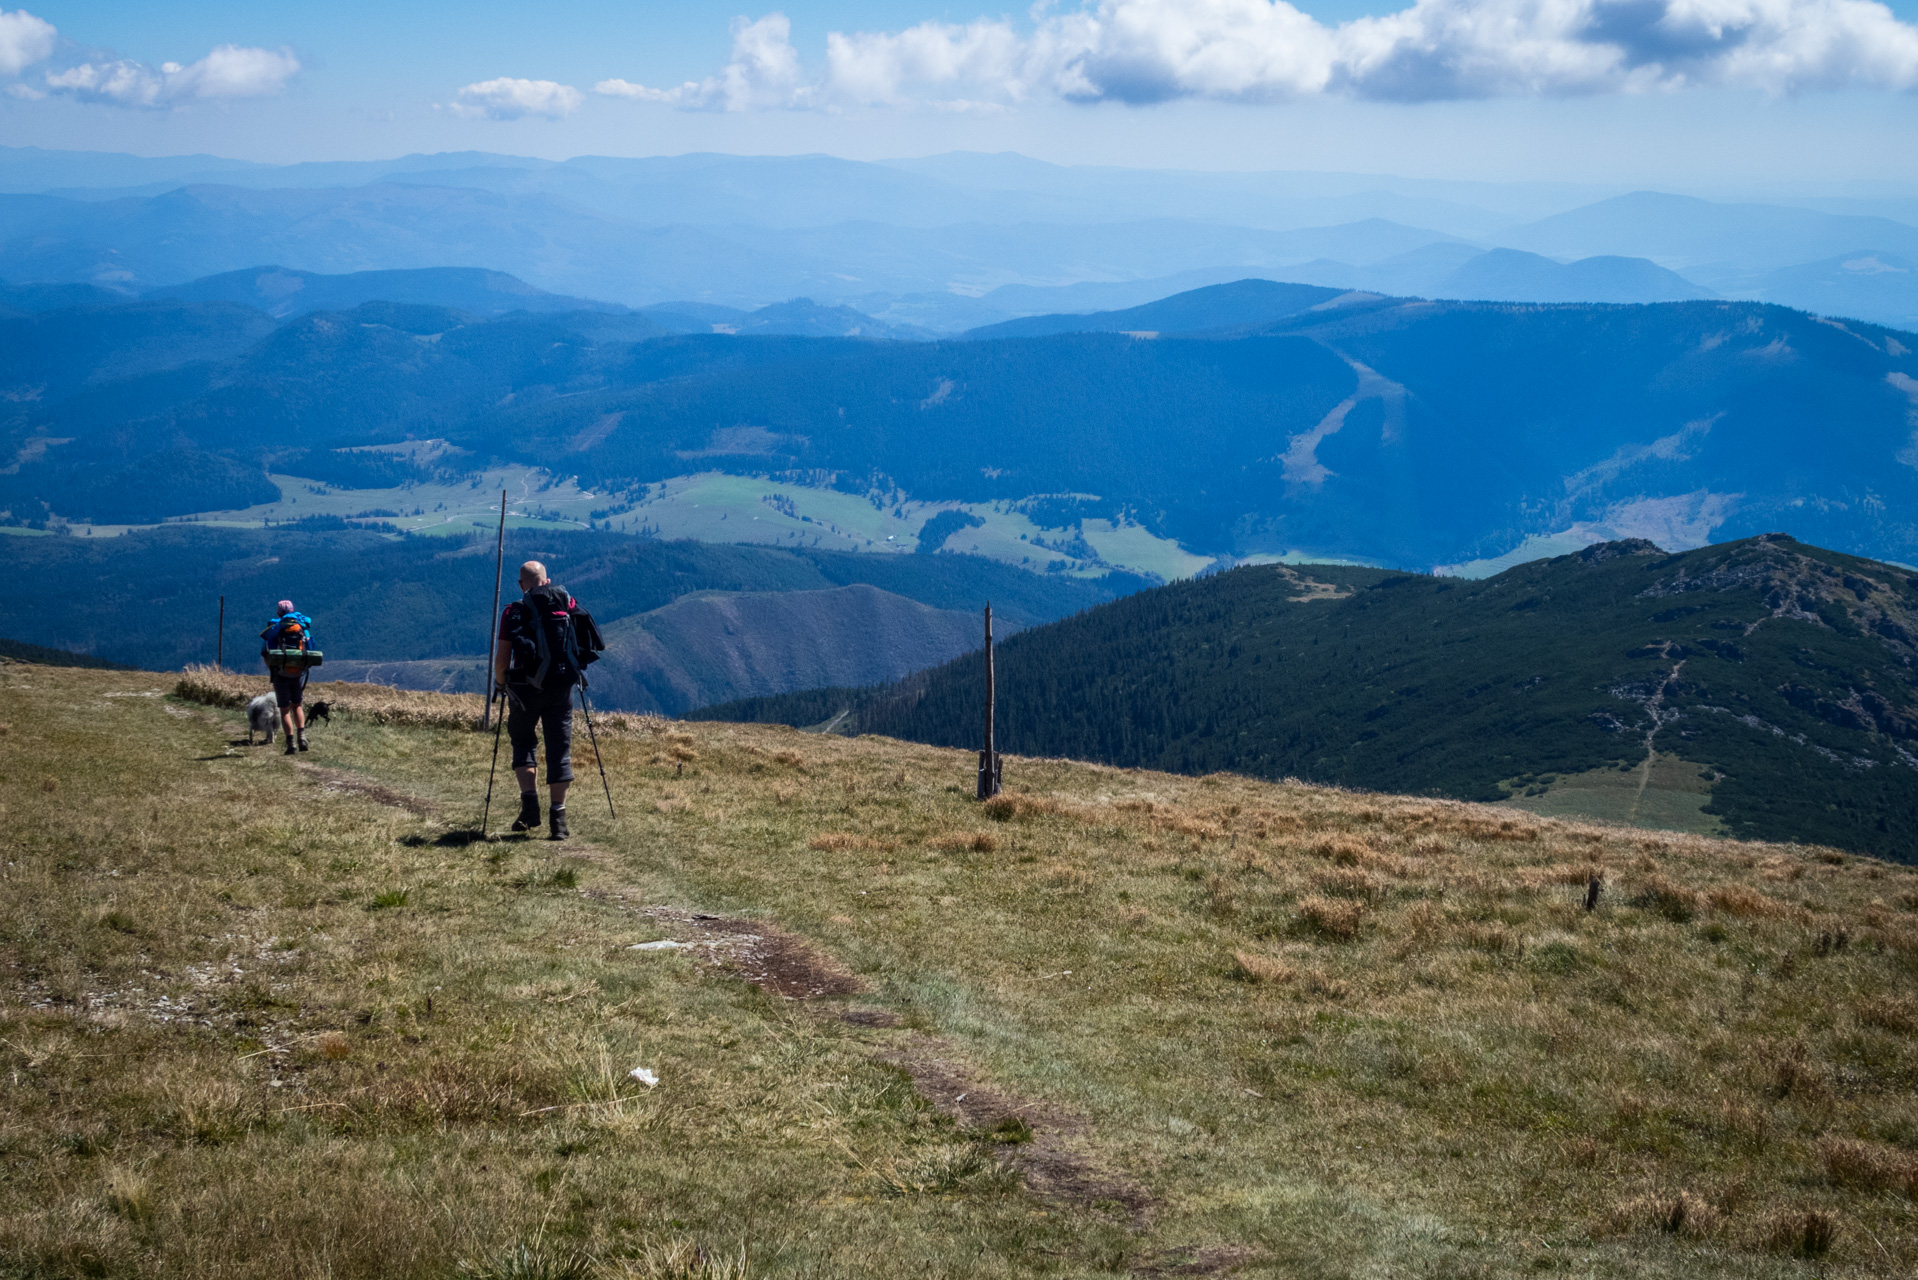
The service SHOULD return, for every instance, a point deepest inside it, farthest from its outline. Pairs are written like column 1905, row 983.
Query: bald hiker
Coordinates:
column 287, row 648
column 545, row 643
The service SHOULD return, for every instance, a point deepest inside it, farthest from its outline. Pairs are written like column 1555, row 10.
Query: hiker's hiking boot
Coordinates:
column 557, row 823
column 290, row 748
column 528, row 811
column 302, row 742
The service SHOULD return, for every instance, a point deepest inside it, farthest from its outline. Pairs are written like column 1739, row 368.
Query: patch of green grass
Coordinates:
column 1012, row 1129
column 531, row 1262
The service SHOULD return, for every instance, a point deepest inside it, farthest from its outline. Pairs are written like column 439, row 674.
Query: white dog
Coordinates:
column 262, row 716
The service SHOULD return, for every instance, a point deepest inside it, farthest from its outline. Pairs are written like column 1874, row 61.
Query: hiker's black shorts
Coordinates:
column 289, row 691
column 530, row 711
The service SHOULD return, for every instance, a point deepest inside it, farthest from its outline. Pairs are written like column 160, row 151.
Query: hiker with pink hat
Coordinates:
column 287, row 648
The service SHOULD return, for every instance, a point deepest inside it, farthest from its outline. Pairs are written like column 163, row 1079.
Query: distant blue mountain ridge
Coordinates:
column 282, row 291
column 942, row 244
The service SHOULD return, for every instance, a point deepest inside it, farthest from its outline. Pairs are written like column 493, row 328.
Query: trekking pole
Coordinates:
column 587, row 706
column 487, row 810
column 492, row 624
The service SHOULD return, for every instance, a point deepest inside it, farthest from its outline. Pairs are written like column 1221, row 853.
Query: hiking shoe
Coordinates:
column 557, row 823
column 290, row 748
column 528, row 812
column 302, row 742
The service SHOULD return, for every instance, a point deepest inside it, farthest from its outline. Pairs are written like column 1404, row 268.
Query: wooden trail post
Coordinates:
column 219, row 643
column 492, row 619
column 989, row 777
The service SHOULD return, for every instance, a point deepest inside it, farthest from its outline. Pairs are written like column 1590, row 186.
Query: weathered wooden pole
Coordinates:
column 219, row 643
column 989, row 777
column 492, row 619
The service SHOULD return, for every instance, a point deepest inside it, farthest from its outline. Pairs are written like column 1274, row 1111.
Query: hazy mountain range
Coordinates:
column 929, row 243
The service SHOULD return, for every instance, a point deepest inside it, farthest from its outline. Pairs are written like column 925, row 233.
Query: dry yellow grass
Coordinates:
column 845, row 841
column 1264, row 968
column 1337, row 918
column 380, row 704
column 1321, row 1033
column 965, row 842
column 1746, row 902
column 1871, row 1166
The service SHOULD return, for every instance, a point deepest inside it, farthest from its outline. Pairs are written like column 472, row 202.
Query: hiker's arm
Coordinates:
column 499, row 654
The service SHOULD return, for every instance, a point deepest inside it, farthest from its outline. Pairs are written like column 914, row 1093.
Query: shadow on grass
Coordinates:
column 455, row 839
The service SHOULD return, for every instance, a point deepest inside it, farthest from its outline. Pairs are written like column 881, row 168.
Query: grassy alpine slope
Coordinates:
column 274, row 1018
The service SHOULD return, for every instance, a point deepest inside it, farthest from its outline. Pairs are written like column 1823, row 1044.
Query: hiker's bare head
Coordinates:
column 531, row 574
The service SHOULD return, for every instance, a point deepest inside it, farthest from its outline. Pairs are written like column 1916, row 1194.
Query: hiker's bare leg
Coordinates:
column 529, row 783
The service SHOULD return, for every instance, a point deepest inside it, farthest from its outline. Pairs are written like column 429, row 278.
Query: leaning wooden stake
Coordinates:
column 492, row 619
column 989, row 777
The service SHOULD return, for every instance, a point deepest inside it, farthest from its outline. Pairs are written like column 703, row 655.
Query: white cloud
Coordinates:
column 510, row 99
column 1484, row 48
column 878, row 67
column 233, row 71
column 228, row 72
column 763, row 72
column 1141, row 51
column 24, row 40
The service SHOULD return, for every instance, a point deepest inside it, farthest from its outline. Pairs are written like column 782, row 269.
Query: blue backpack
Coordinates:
column 289, row 645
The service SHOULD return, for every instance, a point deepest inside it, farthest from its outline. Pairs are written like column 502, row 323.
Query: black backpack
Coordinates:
column 552, row 643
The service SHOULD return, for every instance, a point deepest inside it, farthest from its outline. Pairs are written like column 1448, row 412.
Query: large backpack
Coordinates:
column 289, row 645
column 553, row 639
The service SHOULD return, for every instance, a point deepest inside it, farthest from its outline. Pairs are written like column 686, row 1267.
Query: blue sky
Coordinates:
column 1660, row 92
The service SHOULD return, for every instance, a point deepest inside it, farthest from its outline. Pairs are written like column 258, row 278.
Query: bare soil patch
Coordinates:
column 762, row 954
column 787, row 965
column 1050, row 1161
column 1218, row 1260
column 341, row 782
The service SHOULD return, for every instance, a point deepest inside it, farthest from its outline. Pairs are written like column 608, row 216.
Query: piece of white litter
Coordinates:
column 645, row 1077
column 663, row 945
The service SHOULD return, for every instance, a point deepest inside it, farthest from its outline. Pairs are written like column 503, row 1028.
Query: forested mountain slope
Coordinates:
column 418, row 607
column 1781, row 674
column 1242, row 302
column 1378, row 430
column 710, row 647
column 1388, row 431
